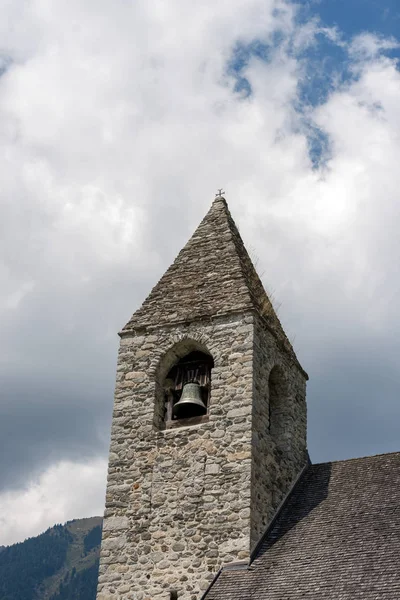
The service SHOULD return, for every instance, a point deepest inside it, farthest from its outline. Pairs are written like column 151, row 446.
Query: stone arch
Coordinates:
column 166, row 352
column 166, row 362
column 278, row 396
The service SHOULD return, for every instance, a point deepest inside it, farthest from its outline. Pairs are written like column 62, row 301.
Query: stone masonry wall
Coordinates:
column 278, row 453
column 178, row 500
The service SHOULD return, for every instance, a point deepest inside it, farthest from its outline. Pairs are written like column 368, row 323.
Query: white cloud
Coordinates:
column 64, row 492
column 367, row 46
column 117, row 123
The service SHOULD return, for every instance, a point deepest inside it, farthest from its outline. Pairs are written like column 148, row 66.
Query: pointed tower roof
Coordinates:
column 212, row 275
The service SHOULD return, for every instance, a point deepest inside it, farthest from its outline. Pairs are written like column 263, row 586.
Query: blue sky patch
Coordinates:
column 327, row 64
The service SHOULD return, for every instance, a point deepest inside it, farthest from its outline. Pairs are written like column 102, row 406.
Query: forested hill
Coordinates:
column 60, row 564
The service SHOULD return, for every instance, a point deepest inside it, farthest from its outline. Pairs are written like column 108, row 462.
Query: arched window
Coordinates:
column 278, row 406
column 184, row 386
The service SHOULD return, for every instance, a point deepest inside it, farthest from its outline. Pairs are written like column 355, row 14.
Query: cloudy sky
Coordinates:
column 118, row 122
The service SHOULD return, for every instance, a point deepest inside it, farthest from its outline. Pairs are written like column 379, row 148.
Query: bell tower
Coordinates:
column 209, row 423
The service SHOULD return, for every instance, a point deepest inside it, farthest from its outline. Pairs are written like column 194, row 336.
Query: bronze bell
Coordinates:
column 190, row 403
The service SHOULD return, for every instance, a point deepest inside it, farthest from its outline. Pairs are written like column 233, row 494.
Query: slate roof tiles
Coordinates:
column 337, row 537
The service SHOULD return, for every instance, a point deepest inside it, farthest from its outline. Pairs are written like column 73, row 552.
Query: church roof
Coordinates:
column 337, row 537
column 212, row 275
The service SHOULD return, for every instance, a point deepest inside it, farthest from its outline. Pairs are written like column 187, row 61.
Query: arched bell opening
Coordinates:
column 183, row 385
column 187, row 387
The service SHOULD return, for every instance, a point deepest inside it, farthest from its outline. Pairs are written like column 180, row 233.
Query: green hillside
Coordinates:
column 60, row 564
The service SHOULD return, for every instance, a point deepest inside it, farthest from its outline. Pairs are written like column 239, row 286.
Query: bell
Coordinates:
column 190, row 403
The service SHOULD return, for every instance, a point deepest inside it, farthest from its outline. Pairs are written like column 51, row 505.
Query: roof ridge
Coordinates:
column 259, row 297
column 240, row 248
column 355, row 458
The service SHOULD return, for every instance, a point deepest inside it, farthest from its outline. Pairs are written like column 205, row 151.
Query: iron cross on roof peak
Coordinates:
column 220, row 193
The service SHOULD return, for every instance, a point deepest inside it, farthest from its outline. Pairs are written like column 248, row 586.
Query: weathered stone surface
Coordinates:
column 279, row 446
column 113, row 543
column 116, row 523
column 187, row 500
column 212, row 469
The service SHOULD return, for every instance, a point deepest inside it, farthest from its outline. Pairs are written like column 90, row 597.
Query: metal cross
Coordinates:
column 219, row 193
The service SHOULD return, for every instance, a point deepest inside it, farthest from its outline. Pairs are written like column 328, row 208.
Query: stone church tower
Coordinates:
column 209, row 423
